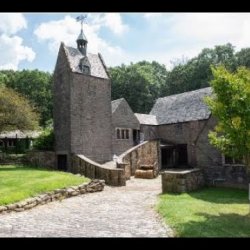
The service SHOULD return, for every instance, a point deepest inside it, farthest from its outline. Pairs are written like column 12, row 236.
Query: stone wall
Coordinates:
column 123, row 117
column 58, row 194
column 181, row 181
column 45, row 159
column 91, row 169
column 227, row 176
column 149, row 132
column 90, row 114
column 61, row 103
column 146, row 153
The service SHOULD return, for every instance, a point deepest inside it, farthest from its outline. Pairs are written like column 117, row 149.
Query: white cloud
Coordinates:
column 12, row 22
column 186, row 34
column 67, row 30
column 13, row 51
column 113, row 21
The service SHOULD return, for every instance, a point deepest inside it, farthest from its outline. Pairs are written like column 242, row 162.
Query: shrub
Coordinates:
column 45, row 141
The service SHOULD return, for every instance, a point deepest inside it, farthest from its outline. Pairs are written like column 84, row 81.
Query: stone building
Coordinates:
column 91, row 129
column 125, row 127
column 181, row 123
column 82, row 105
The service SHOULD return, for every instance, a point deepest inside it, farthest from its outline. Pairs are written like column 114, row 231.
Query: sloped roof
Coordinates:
column 188, row 106
column 116, row 103
column 20, row 134
column 146, row 119
column 98, row 68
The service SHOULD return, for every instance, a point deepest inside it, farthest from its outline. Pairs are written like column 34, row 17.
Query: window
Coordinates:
column 127, row 134
column 118, row 136
column 122, row 133
column 11, row 143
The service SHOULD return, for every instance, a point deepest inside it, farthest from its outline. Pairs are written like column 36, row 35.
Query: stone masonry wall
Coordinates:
column 146, row 153
column 45, row 159
column 181, row 181
column 90, row 115
column 91, row 169
column 58, row 194
column 61, row 104
column 123, row 117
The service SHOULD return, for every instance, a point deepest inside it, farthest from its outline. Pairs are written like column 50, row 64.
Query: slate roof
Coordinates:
column 188, row 106
column 19, row 134
column 116, row 103
column 98, row 67
column 146, row 119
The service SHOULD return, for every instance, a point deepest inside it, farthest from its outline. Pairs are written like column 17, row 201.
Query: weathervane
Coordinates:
column 81, row 19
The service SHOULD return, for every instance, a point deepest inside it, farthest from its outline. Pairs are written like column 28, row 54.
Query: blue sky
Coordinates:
column 31, row 40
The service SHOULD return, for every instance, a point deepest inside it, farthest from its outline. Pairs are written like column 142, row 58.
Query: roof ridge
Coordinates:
column 187, row 92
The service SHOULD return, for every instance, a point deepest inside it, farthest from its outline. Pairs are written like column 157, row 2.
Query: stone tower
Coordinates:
column 82, row 105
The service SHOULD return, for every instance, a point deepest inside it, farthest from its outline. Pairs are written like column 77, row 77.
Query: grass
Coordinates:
column 20, row 182
column 210, row 212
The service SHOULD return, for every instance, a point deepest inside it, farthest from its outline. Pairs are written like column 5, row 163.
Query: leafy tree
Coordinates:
column 231, row 105
column 196, row 73
column 16, row 112
column 35, row 85
column 45, row 141
column 243, row 57
column 139, row 83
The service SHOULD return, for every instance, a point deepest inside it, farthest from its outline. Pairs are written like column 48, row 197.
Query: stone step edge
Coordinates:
column 94, row 185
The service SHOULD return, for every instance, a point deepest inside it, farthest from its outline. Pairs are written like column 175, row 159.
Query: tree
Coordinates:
column 16, row 112
column 35, row 85
column 139, row 83
column 45, row 141
column 230, row 103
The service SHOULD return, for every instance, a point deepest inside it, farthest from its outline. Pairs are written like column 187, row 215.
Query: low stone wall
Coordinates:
column 179, row 181
column 45, row 159
column 227, row 176
column 146, row 153
column 58, row 194
column 83, row 165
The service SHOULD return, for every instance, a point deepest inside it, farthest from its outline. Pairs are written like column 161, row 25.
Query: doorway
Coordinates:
column 174, row 156
column 62, row 162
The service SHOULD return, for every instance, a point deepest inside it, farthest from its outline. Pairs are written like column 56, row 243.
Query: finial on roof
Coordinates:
column 82, row 40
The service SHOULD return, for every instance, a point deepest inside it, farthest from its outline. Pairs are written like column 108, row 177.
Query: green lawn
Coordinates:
column 20, row 182
column 210, row 212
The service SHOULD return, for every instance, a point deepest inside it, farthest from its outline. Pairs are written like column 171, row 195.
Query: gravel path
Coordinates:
column 115, row 212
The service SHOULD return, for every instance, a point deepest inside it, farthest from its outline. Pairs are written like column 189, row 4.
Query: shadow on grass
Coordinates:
column 222, row 225
column 221, row 195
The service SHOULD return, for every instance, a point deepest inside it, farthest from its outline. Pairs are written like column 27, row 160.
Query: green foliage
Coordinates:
column 20, row 182
column 196, row 72
column 139, row 83
column 16, row 112
column 35, row 85
column 45, row 141
column 210, row 212
column 231, row 105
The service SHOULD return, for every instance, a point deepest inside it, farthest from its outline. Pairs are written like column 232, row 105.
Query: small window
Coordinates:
column 118, row 136
column 122, row 133
column 127, row 134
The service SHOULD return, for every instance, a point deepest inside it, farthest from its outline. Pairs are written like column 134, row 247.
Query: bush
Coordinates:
column 45, row 141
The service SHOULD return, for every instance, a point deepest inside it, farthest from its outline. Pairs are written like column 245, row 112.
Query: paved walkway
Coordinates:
column 115, row 212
